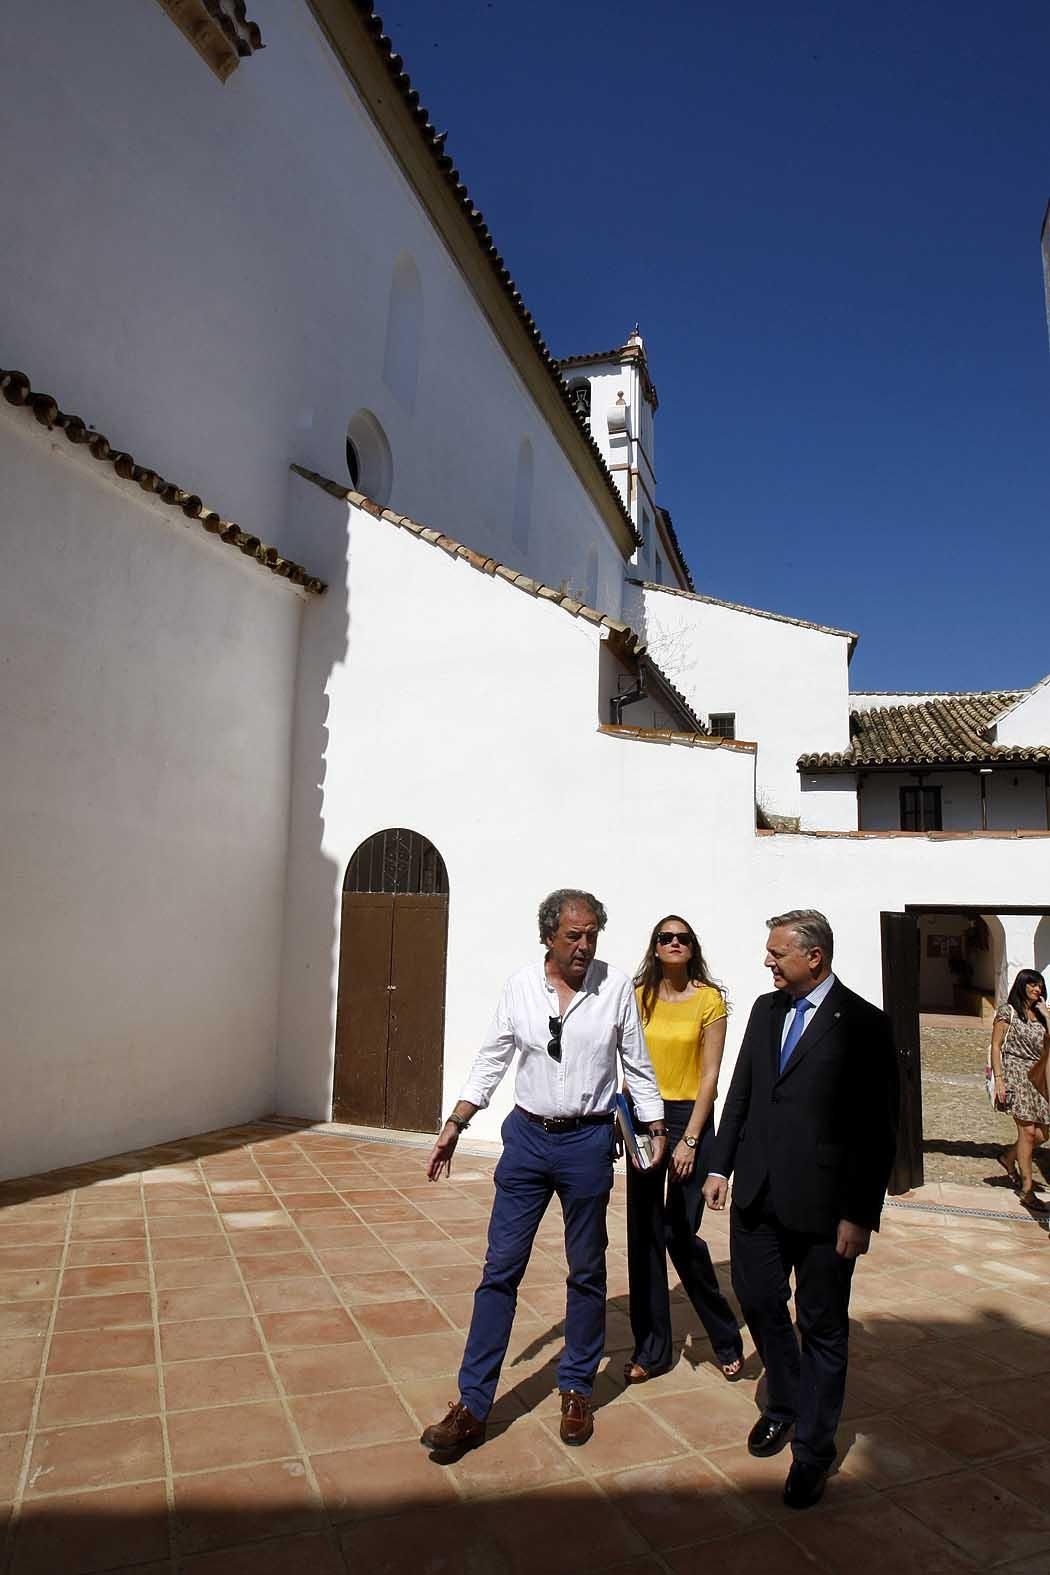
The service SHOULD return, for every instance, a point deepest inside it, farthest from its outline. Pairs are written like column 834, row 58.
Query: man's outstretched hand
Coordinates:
column 440, row 1162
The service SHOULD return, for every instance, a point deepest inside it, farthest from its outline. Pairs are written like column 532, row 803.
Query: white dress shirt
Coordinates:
column 600, row 1022
column 816, row 998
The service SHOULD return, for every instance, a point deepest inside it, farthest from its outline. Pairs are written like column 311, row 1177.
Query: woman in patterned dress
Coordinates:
column 1020, row 1042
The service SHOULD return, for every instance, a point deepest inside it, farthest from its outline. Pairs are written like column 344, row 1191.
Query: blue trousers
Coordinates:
column 534, row 1166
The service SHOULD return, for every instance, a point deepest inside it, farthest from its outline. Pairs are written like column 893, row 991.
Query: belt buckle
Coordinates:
column 548, row 1125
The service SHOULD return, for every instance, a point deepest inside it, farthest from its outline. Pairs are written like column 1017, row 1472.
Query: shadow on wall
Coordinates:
column 321, row 531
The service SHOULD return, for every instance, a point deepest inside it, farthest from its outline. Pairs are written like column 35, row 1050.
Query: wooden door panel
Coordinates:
column 363, row 1011
column 900, row 993
column 417, row 1013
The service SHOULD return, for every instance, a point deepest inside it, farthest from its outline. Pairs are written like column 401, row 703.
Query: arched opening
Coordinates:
column 390, row 1017
column 404, row 331
column 521, row 519
column 369, row 462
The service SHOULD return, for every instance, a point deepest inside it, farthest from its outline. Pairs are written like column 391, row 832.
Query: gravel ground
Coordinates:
column 961, row 1132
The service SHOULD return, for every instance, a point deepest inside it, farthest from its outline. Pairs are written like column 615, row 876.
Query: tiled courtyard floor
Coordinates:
column 216, row 1357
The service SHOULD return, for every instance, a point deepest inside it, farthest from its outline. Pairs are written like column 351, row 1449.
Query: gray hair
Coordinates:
column 810, row 927
column 550, row 909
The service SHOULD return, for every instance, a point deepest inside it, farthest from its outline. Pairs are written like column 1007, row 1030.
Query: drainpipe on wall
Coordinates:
column 628, row 697
column 984, row 773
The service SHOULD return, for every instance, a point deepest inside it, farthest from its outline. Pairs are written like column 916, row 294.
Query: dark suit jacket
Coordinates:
column 823, row 1132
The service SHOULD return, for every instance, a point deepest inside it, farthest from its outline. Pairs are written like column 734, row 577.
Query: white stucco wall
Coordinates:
column 456, row 705
column 204, row 273
column 451, row 703
column 146, row 683
column 1016, row 800
column 726, row 660
column 1029, row 721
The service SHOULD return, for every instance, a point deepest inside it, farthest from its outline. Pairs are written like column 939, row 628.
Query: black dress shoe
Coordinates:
column 768, row 1436
column 804, row 1485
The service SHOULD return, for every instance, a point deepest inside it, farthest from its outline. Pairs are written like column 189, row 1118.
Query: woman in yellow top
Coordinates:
column 684, row 1016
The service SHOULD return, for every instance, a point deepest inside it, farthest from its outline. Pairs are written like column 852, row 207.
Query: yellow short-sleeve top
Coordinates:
column 675, row 1036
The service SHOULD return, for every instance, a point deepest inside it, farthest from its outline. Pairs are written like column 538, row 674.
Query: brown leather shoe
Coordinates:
column 577, row 1418
column 452, row 1437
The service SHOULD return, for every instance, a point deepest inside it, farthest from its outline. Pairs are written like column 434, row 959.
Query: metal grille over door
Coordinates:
column 390, row 1022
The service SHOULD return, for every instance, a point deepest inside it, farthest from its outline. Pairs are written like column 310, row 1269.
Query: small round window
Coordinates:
column 368, row 458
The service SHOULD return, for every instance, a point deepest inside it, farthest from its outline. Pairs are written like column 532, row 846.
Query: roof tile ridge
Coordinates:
column 742, row 607
column 18, row 391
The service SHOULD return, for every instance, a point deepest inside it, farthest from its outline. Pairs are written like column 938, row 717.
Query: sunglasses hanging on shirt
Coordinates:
column 554, row 1044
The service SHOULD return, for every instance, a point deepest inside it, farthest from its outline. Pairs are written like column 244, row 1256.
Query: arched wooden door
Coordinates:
column 390, row 1017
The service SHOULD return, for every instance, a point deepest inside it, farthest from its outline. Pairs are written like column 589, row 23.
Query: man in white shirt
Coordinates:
column 567, row 1018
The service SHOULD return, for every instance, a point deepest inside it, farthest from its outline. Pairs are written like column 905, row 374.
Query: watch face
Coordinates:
column 689, row 1142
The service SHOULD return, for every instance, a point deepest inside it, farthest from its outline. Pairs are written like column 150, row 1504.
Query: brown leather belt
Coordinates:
column 565, row 1123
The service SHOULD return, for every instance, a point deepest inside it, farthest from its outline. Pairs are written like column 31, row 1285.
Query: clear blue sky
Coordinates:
column 825, row 218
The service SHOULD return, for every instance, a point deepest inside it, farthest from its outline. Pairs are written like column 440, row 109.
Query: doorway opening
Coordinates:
column 390, row 1017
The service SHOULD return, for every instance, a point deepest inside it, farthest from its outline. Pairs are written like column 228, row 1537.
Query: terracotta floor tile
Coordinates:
column 195, row 1225
column 1017, row 1400
column 760, row 1483
column 882, row 1453
column 381, row 1480
column 323, row 1369
column 105, row 1277
column 223, row 1380
column 204, row 1337
column 212, row 1301
column 282, row 1556
column 391, row 1285
column 546, row 1530
column 704, row 1420
column 421, row 1355
column 351, row 1418
column 102, row 1454
column 21, row 1358
column 27, row 1285
column 255, row 1219
column 99, row 1397
column 420, row 1253
column 676, row 1503
column 451, row 1279
column 169, row 1249
column 255, row 1243
column 957, row 1423
column 229, row 1435
column 98, row 1349
column 22, row 1318
column 225, row 1508
column 429, row 1398
column 195, row 1276
column 88, row 1254
column 420, row 1230
column 46, row 1257
column 765, row 1551
column 627, row 1436
column 85, row 1532
column 449, row 1540
column 364, row 1258
column 175, row 1208
column 298, row 1295
column 333, row 1327
column 16, row 1404
column 874, row 1536
column 515, row 1458
column 12, row 1451
column 122, row 1309
column 238, row 1186
column 88, row 1229
column 874, row 1386
column 391, row 1320
column 977, row 1513
column 278, row 1266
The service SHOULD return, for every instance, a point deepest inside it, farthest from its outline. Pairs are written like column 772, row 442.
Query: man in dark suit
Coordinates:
column 808, row 1133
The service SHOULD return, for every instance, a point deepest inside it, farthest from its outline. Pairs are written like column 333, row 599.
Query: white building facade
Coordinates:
column 228, row 323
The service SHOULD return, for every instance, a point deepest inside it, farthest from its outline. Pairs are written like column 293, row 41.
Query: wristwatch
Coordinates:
column 690, row 1142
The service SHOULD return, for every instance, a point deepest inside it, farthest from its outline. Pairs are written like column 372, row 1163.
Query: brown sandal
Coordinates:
column 1029, row 1200
column 1011, row 1170
column 634, row 1373
column 731, row 1371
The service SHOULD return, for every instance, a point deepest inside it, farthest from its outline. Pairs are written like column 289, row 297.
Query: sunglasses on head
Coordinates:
column 665, row 937
column 554, row 1045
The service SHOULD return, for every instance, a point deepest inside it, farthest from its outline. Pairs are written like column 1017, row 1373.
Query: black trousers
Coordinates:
column 806, row 1387
column 663, row 1217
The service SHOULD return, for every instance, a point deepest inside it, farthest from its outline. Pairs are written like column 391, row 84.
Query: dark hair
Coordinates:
column 650, row 972
column 550, row 909
column 1017, row 998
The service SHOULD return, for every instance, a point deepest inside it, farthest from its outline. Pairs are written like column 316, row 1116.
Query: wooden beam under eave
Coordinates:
column 346, row 31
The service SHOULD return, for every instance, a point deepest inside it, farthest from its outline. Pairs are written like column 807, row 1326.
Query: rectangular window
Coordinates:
column 920, row 808
column 723, row 724
column 658, row 570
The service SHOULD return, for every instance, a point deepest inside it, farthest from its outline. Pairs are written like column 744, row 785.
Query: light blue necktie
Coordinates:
column 794, row 1033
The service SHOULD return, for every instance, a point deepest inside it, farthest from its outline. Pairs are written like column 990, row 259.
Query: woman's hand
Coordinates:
column 683, row 1162
column 1000, row 1091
